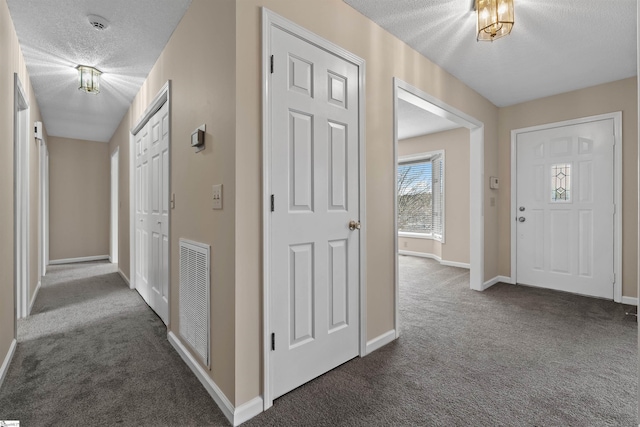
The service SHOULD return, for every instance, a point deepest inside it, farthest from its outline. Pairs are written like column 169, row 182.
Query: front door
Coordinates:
column 565, row 208
column 314, row 171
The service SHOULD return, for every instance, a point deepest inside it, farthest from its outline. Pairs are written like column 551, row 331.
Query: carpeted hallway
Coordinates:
column 93, row 353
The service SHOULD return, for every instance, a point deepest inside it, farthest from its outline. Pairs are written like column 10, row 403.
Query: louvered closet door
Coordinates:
column 315, row 182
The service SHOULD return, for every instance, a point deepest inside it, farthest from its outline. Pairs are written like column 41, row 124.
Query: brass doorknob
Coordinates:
column 354, row 225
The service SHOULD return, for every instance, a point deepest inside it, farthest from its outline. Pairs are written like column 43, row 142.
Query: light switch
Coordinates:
column 217, row 196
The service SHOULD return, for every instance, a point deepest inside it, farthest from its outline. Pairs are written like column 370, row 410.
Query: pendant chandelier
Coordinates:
column 495, row 19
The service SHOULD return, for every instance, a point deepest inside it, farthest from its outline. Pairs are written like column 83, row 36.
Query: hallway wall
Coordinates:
column 13, row 62
column 79, row 186
column 199, row 59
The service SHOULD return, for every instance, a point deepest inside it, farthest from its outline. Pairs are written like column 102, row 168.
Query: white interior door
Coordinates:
column 142, row 212
column 115, row 158
column 565, row 208
column 152, row 212
column 159, row 212
column 315, row 184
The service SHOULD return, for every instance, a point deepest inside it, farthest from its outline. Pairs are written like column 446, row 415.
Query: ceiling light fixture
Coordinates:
column 495, row 19
column 89, row 79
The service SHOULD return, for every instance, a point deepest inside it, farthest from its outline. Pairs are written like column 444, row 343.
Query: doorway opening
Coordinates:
column 43, row 210
column 21, row 198
column 115, row 205
column 417, row 113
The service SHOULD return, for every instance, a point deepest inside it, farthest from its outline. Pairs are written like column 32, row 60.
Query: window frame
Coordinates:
column 423, row 157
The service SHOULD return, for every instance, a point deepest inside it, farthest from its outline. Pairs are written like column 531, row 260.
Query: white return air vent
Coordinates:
column 194, row 296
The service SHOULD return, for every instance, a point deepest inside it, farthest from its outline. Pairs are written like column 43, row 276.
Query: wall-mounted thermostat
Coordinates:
column 197, row 138
column 494, row 183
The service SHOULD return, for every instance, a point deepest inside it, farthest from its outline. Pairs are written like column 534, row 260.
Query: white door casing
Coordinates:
column 150, row 204
column 21, row 198
column 313, row 170
column 565, row 207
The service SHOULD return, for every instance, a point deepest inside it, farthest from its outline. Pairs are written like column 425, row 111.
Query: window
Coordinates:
column 421, row 196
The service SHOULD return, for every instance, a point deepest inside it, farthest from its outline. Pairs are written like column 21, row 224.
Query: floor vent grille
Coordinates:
column 195, row 287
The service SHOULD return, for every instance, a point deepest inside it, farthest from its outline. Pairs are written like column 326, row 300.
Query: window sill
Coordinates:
column 419, row 236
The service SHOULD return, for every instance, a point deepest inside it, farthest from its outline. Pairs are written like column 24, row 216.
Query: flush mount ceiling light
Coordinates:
column 89, row 79
column 495, row 19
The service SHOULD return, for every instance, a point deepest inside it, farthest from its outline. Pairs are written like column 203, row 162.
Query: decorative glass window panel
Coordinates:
column 561, row 182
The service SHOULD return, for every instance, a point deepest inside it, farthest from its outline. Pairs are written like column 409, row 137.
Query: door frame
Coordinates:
column 476, row 184
column 115, row 197
column 43, row 209
column 269, row 20
column 163, row 96
column 21, row 138
column 617, row 191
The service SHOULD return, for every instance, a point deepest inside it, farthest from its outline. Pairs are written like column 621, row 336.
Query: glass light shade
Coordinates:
column 495, row 19
column 89, row 79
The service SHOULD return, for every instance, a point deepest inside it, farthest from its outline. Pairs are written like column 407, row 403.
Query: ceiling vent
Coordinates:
column 98, row 22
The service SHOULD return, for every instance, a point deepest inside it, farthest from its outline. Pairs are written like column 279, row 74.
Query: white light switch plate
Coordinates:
column 217, row 196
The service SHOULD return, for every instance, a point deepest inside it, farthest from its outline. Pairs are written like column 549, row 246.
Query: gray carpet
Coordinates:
column 94, row 354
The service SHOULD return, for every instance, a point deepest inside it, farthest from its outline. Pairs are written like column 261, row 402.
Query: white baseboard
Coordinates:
column 456, row 264
column 75, row 260
column 380, row 341
column 236, row 416
column 630, row 301
column 248, row 410
column 35, row 295
column 498, row 279
column 437, row 258
column 125, row 278
column 7, row 361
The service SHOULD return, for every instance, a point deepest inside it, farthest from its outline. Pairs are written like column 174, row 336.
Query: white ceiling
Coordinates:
column 556, row 45
column 55, row 37
column 415, row 121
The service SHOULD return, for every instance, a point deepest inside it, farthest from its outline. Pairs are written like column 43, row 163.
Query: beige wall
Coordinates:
column 386, row 57
column 199, row 59
column 455, row 144
column 79, row 198
column 13, row 62
column 606, row 98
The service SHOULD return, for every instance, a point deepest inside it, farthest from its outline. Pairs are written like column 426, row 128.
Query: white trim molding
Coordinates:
column 617, row 191
column 81, row 259
column 437, row 258
column 7, row 361
column 236, row 416
column 498, row 279
column 381, row 340
column 630, row 301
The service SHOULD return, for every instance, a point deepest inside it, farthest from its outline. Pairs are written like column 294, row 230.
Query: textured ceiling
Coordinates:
column 556, row 45
column 55, row 37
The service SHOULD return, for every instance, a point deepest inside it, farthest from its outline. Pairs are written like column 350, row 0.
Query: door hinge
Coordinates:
column 271, row 64
column 273, row 341
column 273, row 203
